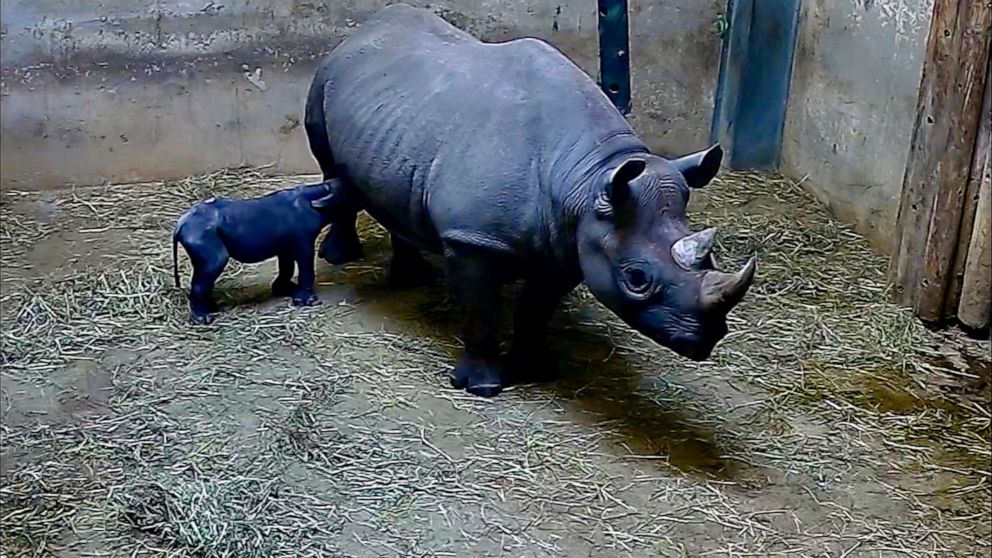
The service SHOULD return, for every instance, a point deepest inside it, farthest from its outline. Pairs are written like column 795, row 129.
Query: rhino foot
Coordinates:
column 477, row 376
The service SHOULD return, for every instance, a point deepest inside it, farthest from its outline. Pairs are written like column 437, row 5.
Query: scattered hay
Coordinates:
column 38, row 505
column 829, row 422
column 239, row 517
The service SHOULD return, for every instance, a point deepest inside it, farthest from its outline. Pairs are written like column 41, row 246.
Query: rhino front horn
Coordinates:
column 723, row 290
column 690, row 251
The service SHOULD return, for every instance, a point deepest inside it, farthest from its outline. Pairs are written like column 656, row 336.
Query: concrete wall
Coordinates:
column 126, row 90
column 852, row 106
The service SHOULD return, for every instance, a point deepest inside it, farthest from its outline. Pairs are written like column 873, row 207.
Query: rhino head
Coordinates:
column 639, row 258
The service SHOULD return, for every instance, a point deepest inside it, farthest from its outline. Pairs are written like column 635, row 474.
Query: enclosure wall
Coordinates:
column 856, row 79
column 126, row 90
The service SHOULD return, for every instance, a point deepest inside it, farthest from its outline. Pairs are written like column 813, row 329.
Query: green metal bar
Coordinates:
column 614, row 53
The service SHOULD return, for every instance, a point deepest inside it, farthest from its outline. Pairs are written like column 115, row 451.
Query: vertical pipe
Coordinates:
column 716, row 124
column 614, row 53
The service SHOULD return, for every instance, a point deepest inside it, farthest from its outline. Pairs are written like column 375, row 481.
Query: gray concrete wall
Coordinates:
column 127, row 90
column 852, row 106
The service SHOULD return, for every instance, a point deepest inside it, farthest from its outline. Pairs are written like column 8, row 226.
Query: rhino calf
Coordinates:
column 283, row 224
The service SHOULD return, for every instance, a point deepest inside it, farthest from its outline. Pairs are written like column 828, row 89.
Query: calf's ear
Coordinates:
column 699, row 168
column 325, row 202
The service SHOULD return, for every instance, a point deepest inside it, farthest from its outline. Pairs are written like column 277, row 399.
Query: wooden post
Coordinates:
column 975, row 309
column 979, row 172
column 940, row 157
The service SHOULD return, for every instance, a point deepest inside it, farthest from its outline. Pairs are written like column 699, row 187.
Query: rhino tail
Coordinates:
column 315, row 124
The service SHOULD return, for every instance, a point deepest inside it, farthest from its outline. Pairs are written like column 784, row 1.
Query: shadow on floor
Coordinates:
column 604, row 388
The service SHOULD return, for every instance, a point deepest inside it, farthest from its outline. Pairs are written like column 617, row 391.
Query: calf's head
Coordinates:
column 639, row 258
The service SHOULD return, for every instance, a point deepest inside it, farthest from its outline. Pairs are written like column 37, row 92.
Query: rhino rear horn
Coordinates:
column 690, row 251
column 721, row 290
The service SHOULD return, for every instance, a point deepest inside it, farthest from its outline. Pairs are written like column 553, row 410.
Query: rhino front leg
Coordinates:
column 530, row 358
column 474, row 281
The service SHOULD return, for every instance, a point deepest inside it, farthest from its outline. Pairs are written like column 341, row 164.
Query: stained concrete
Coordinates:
column 852, row 106
column 131, row 90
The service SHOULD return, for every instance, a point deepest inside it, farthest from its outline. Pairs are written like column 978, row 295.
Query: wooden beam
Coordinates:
column 940, row 157
column 975, row 308
column 979, row 170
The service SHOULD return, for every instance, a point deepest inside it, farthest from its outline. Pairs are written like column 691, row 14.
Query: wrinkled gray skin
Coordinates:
column 283, row 225
column 510, row 162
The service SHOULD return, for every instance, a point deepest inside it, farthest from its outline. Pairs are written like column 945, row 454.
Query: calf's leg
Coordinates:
column 208, row 257
column 474, row 281
column 284, row 285
column 304, row 295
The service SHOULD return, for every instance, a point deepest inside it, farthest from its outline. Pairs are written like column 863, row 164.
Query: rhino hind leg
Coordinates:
column 408, row 268
column 341, row 245
column 474, row 282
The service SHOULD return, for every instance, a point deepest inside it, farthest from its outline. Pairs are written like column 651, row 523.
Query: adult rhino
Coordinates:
column 507, row 159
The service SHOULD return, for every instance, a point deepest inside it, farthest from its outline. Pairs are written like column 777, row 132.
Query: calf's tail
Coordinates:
column 175, row 254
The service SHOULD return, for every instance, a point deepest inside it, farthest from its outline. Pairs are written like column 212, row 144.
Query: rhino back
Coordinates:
column 443, row 132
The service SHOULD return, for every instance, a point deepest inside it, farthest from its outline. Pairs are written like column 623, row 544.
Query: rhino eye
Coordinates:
column 636, row 281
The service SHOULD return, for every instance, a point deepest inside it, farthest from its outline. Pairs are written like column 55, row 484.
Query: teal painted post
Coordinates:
column 755, row 74
column 614, row 53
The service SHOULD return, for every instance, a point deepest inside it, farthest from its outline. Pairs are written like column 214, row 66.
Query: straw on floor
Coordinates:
column 829, row 422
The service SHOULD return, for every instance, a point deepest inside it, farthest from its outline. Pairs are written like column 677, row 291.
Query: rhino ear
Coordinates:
column 699, row 168
column 618, row 187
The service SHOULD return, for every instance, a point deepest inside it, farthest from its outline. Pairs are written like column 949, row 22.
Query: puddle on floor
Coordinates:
column 975, row 381
column 875, row 390
column 934, row 419
column 608, row 389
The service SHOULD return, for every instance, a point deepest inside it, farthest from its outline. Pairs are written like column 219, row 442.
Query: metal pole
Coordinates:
column 614, row 53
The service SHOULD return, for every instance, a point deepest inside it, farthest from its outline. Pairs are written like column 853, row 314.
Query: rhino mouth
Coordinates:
column 692, row 345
